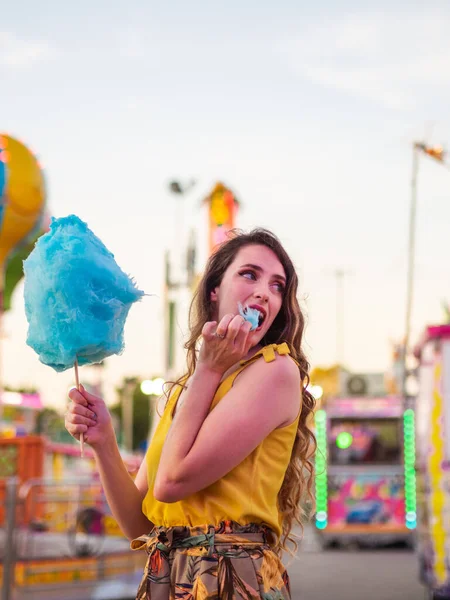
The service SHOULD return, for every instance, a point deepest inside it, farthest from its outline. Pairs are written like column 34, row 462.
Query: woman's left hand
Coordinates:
column 225, row 343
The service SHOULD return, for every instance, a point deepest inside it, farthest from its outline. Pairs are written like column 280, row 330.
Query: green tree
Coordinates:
column 142, row 417
column 14, row 265
column 50, row 423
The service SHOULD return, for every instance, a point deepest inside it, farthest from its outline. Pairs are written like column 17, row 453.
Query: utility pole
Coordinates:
column 438, row 154
column 175, row 276
column 410, row 270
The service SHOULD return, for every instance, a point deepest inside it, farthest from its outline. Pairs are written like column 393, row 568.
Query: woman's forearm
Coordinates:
column 124, row 498
column 187, row 423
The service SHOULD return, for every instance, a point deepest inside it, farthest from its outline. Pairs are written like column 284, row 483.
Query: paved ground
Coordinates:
column 315, row 574
column 49, row 545
column 363, row 575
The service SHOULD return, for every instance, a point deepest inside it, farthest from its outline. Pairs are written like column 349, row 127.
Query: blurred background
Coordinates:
column 163, row 126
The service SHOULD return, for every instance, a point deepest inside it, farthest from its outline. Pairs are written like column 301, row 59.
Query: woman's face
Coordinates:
column 256, row 279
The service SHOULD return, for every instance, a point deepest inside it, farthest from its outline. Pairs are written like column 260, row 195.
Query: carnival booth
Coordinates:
column 365, row 488
column 433, row 460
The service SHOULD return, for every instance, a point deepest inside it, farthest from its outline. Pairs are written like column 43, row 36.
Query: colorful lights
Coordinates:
column 321, row 470
column 410, row 470
column 344, row 440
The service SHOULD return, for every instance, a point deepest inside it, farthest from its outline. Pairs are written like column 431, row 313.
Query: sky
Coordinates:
column 307, row 112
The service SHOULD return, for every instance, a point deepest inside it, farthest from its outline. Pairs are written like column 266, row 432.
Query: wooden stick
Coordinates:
column 77, row 381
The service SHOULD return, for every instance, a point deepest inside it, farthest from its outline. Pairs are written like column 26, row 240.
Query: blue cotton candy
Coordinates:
column 76, row 297
column 250, row 314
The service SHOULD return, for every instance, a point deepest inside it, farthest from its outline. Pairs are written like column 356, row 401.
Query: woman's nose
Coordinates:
column 262, row 295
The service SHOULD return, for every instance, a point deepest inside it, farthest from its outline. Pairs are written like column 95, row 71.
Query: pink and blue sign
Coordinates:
column 366, row 499
column 365, row 466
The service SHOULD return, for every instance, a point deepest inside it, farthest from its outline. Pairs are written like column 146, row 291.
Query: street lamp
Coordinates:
column 437, row 153
column 153, row 387
column 316, row 391
column 175, row 279
column 176, row 187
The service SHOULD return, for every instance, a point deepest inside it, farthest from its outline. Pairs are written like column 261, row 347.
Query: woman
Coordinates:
column 216, row 498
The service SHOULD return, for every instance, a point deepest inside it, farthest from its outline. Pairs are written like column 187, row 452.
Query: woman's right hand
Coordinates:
column 88, row 415
column 225, row 343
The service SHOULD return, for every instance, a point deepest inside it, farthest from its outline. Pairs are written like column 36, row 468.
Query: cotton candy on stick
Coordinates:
column 249, row 314
column 76, row 298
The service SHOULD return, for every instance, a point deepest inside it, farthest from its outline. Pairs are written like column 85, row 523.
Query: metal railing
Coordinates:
column 54, row 534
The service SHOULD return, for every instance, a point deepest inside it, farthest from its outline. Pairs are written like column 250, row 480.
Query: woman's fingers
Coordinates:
column 234, row 327
column 242, row 340
column 83, row 397
column 209, row 329
column 83, row 411
column 76, row 419
column 219, row 330
column 75, row 430
column 91, row 398
column 231, row 327
column 222, row 326
column 77, row 397
column 81, row 415
column 77, row 424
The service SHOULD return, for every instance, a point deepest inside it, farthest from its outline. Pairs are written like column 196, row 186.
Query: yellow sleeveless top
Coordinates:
column 248, row 493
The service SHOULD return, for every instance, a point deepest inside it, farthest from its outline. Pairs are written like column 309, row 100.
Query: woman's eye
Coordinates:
column 248, row 274
column 280, row 287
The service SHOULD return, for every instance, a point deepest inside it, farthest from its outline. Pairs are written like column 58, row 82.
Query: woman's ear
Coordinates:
column 213, row 295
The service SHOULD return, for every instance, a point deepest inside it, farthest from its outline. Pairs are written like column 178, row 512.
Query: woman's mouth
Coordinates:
column 261, row 314
column 254, row 314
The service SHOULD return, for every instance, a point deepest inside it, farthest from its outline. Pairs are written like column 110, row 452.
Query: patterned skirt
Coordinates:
column 229, row 562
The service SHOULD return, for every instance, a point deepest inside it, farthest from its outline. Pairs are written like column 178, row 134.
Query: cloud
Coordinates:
column 389, row 58
column 131, row 43
column 18, row 53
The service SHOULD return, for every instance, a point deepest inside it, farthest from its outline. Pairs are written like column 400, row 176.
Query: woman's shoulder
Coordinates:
column 281, row 367
column 279, row 354
column 272, row 367
column 276, row 385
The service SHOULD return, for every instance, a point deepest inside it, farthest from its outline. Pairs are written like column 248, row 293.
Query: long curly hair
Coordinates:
column 287, row 327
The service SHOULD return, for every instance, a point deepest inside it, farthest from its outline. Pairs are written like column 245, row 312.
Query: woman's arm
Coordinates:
column 201, row 448
column 124, row 495
column 89, row 415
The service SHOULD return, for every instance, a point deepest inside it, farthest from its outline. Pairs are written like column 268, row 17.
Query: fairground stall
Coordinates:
column 365, row 483
column 58, row 539
column 433, row 460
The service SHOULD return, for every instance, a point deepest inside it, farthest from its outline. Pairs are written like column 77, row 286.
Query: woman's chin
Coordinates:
column 256, row 336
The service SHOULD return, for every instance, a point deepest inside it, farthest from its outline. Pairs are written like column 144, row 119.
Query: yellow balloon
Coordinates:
column 23, row 196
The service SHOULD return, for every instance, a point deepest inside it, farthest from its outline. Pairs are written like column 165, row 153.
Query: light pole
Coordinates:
column 436, row 152
column 174, row 282
column 179, row 190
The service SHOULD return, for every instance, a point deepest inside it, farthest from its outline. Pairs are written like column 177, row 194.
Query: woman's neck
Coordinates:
column 252, row 351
